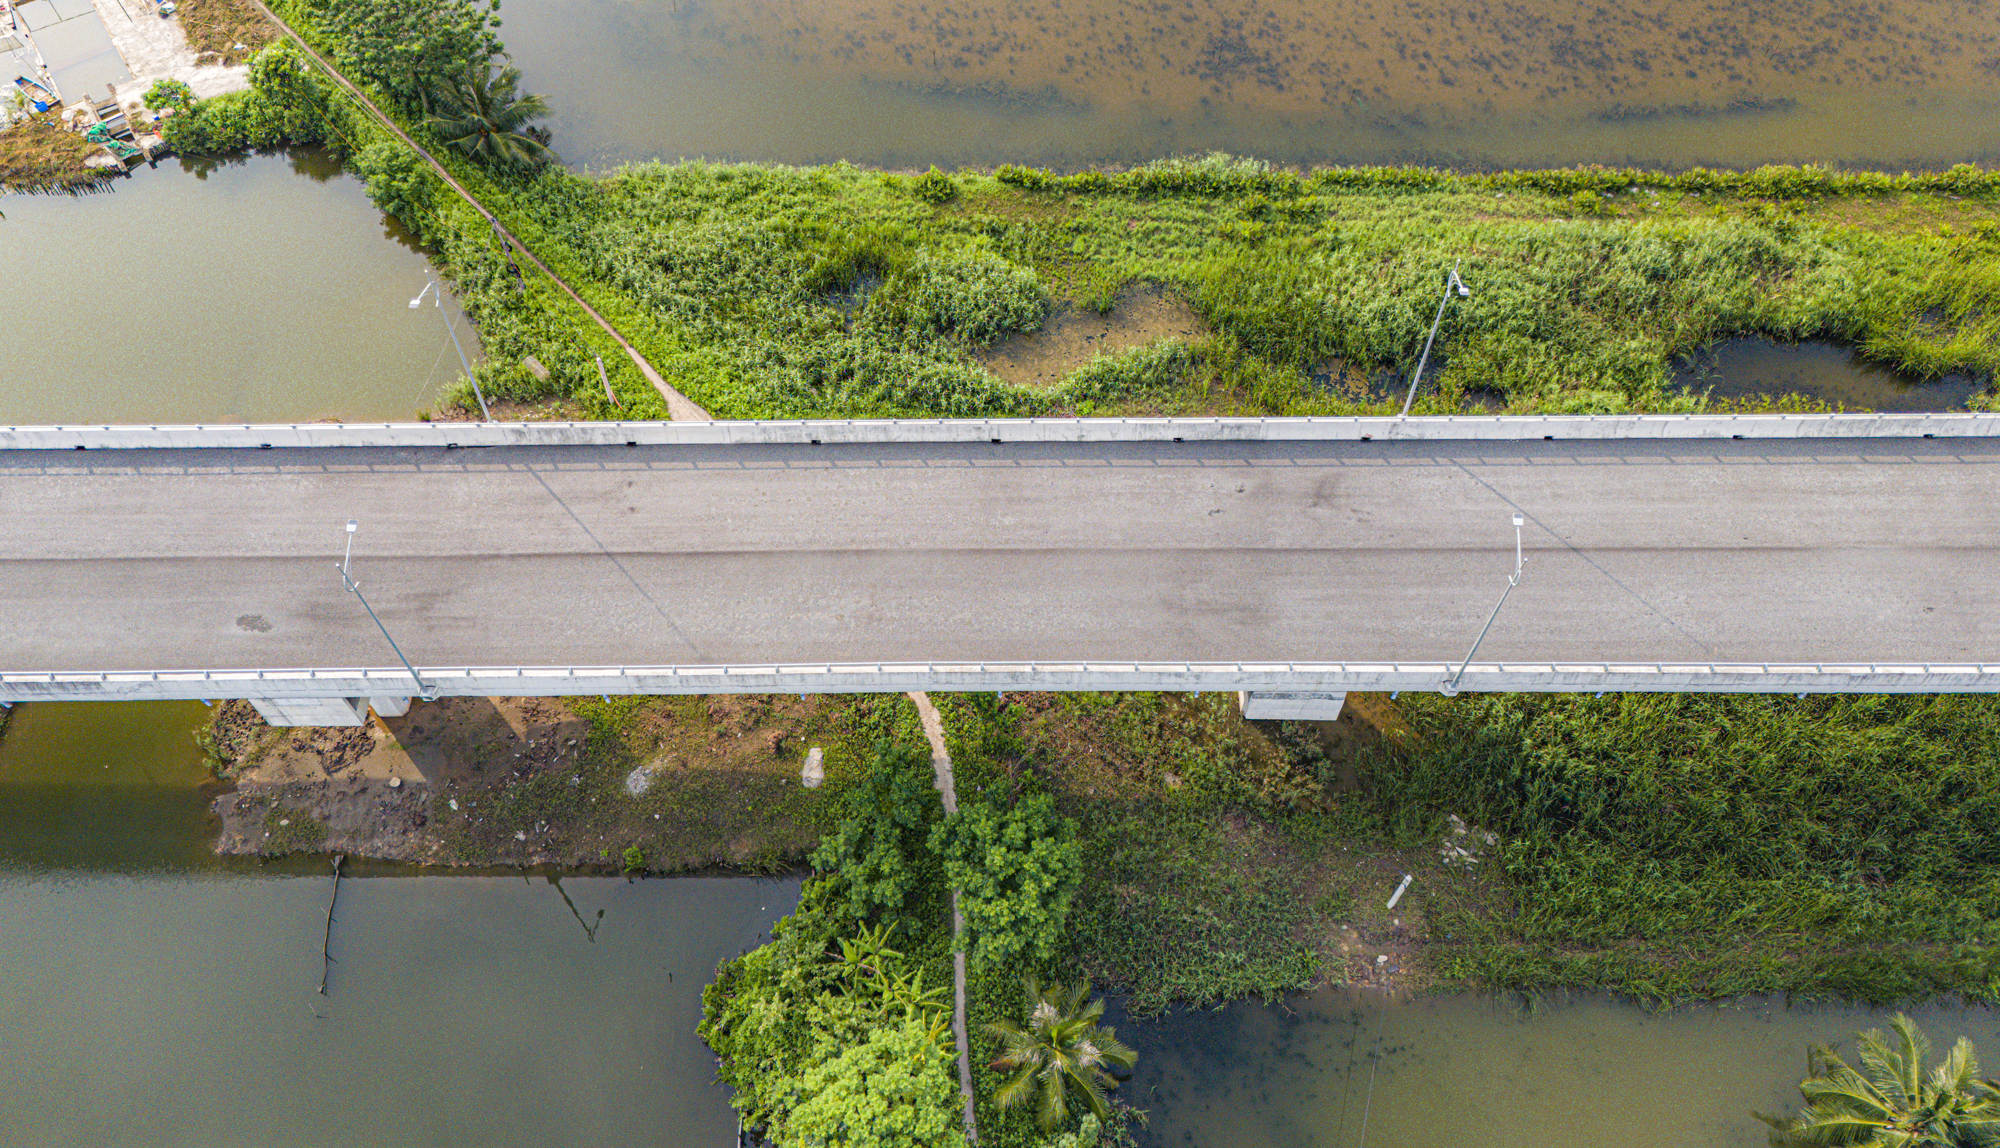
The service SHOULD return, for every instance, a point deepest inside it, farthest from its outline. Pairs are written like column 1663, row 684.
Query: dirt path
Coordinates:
column 941, row 762
column 680, row 408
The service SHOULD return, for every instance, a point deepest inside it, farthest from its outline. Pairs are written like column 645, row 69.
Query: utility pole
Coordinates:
column 1450, row 688
column 423, row 691
column 1451, row 283
column 450, row 329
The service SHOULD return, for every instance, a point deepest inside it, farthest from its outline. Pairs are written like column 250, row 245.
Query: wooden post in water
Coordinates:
column 326, row 942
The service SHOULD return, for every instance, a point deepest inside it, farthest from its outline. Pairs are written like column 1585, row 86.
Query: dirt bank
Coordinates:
column 649, row 784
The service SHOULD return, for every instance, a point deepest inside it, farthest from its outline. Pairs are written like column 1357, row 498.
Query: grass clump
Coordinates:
column 288, row 830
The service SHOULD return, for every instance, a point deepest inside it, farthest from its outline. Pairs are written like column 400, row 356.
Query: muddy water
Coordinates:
column 1589, row 1073
column 151, row 995
column 262, row 289
column 1067, row 82
column 1759, row 368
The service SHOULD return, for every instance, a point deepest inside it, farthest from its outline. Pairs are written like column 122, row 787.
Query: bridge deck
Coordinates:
column 1818, row 551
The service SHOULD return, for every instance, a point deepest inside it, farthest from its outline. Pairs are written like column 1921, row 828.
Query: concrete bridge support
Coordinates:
column 1316, row 706
column 313, row 711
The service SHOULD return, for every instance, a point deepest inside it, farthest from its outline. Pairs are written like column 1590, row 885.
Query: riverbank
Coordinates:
column 638, row 785
column 1666, row 848
column 1202, row 286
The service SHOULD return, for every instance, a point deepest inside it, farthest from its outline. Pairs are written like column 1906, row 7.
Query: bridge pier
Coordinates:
column 312, row 711
column 1317, row 706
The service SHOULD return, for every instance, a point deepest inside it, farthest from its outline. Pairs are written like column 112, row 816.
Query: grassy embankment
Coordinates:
column 766, row 291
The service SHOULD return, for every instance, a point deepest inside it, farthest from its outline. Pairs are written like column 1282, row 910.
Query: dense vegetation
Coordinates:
column 766, row 291
column 838, row 1030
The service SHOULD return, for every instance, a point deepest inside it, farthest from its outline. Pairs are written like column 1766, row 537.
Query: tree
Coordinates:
column 895, row 1089
column 880, row 847
column 1017, row 870
column 1062, row 1051
column 480, row 114
column 410, row 47
column 1888, row 1102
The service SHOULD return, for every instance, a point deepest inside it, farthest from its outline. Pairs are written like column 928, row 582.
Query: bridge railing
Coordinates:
column 919, row 431
column 971, row 676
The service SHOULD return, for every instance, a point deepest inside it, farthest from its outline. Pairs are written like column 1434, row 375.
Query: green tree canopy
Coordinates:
column 1889, row 1102
column 1017, row 871
column 882, row 843
column 410, row 47
column 894, row 1089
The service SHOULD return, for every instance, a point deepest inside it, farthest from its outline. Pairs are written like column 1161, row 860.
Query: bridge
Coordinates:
column 1288, row 560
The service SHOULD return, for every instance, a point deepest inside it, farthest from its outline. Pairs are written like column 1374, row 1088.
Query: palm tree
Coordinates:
column 1061, row 1050
column 1888, row 1102
column 480, row 115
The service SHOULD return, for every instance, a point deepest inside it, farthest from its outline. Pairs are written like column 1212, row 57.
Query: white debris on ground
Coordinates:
column 154, row 49
column 638, row 781
column 1463, row 843
column 813, row 772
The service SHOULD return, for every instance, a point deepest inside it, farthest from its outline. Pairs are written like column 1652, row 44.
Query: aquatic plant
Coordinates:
column 1889, row 1102
column 1062, row 1054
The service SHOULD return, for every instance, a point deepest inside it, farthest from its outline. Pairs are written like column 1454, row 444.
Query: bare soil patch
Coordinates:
column 1072, row 336
column 532, row 781
column 224, row 31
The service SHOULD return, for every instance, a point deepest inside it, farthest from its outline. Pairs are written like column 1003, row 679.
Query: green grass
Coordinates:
column 288, row 830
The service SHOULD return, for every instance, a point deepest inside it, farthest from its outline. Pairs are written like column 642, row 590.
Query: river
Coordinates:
column 1342, row 1070
column 908, row 83
column 153, row 994
column 264, row 288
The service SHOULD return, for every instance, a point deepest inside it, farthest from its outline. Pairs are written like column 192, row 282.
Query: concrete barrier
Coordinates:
column 917, row 431
column 296, row 687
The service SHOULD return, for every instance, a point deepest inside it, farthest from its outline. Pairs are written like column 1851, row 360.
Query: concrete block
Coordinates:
column 390, row 706
column 312, row 711
column 1259, row 705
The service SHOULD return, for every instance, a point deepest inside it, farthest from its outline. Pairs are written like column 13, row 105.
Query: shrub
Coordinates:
column 934, row 187
column 1026, row 178
column 963, row 291
column 1155, row 366
column 400, row 183
column 881, row 846
column 169, row 94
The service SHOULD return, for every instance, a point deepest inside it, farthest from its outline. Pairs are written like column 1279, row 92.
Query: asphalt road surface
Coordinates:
column 1753, row 551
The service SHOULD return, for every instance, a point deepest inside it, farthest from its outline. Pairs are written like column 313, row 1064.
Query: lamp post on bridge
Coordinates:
column 1450, row 687
column 1452, row 283
column 423, row 691
column 429, row 286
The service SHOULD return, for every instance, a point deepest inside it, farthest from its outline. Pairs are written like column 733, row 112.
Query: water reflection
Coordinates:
column 1070, row 82
column 1828, row 372
column 1588, row 1073
column 249, row 288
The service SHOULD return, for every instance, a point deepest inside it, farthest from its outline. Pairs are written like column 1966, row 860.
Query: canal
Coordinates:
column 1070, row 83
column 154, row 994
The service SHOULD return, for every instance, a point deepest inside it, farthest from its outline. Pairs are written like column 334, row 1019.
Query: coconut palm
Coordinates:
column 1061, row 1051
column 480, row 115
column 1888, row 1102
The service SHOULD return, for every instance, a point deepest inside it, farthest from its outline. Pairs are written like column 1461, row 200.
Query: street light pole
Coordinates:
column 1450, row 284
column 423, row 691
column 1450, row 688
column 453, row 332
